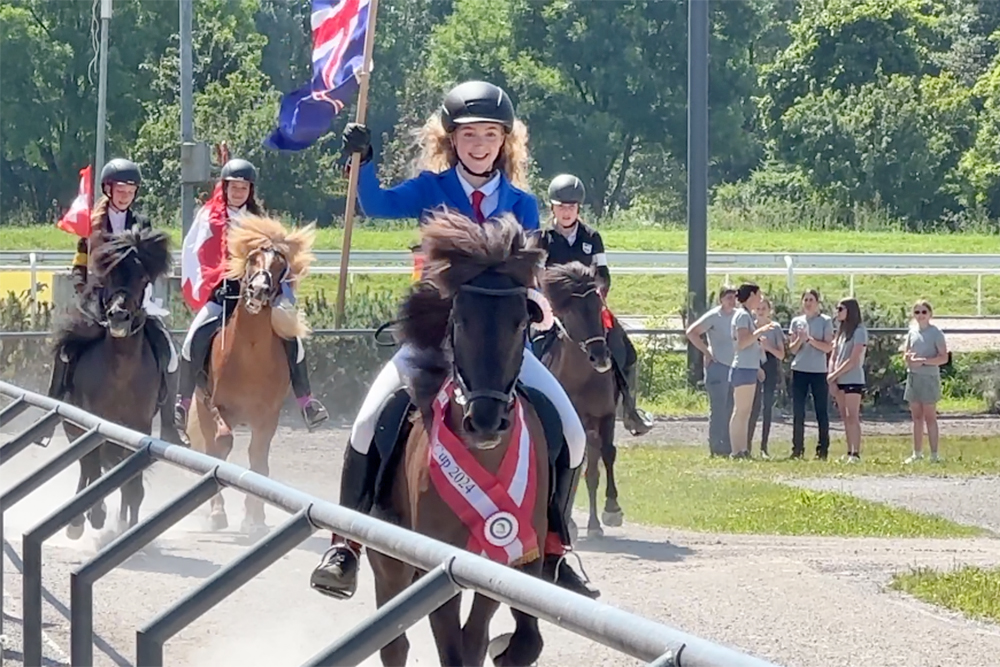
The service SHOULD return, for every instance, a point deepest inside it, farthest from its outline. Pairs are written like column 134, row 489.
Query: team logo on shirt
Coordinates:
column 586, row 248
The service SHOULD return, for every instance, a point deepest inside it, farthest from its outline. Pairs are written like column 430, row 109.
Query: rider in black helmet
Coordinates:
column 239, row 179
column 113, row 214
column 570, row 240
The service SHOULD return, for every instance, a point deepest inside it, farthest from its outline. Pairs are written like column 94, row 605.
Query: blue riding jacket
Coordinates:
column 418, row 196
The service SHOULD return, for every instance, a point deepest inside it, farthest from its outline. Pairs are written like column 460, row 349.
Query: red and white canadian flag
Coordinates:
column 77, row 218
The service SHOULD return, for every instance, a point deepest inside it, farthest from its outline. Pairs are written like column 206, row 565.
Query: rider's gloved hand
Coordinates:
column 358, row 139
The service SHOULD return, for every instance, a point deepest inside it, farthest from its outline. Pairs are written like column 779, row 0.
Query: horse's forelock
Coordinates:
column 561, row 281
column 260, row 233
column 459, row 249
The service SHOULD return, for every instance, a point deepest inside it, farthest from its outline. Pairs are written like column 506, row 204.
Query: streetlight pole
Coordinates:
column 187, row 111
column 102, row 95
column 697, row 170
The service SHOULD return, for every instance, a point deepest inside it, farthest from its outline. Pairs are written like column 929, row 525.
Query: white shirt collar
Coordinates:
column 571, row 237
column 487, row 189
column 117, row 219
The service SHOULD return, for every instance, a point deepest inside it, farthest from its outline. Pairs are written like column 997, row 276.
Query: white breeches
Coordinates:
column 212, row 310
column 533, row 374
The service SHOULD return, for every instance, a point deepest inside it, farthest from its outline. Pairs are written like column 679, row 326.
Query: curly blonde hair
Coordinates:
column 437, row 153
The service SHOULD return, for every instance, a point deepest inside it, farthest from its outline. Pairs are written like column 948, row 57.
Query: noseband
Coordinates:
column 463, row 396
column 273, row 291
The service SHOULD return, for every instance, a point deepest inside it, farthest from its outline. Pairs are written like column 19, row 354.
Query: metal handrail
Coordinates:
column 628, row 633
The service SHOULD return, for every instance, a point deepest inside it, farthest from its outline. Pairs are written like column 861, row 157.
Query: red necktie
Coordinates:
column 477, row 203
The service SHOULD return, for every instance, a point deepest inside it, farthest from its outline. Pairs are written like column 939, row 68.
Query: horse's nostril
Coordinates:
column 504, row 424
column 468, row 425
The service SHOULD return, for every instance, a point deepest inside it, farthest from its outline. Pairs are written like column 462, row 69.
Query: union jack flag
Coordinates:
column 338, row 32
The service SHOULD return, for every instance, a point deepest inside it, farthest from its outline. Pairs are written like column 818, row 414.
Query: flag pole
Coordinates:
column 352, row 182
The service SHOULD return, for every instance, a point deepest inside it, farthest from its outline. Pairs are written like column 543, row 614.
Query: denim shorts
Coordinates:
column 740, row 377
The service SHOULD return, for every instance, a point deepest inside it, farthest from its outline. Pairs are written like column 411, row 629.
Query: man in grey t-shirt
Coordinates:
column 716, row 325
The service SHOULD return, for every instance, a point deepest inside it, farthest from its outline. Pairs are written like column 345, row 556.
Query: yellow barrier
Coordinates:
column 19, row 282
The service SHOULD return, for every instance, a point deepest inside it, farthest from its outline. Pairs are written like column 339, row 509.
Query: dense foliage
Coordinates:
column 837, row 107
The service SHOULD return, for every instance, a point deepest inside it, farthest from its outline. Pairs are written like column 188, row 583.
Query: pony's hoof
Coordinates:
column 595, row 533
column 74, row 532
column 612, row 519
column 574, row 532
column 253, row 527
column 218, row 521
column 98, row 516
column 498, row 647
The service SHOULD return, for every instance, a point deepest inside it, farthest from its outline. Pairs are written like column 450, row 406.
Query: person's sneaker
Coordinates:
column 764, row 455
column 740, row 456
column 935, row 458
column 314, row 413
column 853, row 458
column 557, row 570
column 914, row 457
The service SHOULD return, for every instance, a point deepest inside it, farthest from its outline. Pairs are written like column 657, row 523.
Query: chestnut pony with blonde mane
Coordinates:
column 464, row 324
column 247, row 371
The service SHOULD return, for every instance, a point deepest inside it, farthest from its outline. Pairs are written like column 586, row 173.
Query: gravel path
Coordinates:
column 974, row 501
column 802, row 602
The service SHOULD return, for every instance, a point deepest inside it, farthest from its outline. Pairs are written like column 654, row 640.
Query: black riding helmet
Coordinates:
column 121, row 170
column 567, row 189
column 239, row 169
column 476, row 102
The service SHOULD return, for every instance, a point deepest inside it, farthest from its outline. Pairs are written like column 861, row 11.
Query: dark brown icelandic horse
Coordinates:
column 247, row 370
column 476, row 442
column 116, row 376
column 579, row 357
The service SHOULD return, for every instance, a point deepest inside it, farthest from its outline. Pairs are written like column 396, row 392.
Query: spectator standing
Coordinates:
column 772, row 344
column 716, row 326
column 810, row 341
column 925, row 352
column 847, row 372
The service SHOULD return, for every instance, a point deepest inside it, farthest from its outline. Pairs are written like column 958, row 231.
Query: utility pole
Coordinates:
column 697, row 171
column 102, row 96
column 187, row 114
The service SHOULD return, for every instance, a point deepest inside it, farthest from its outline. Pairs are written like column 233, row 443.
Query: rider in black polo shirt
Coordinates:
column 570, row 240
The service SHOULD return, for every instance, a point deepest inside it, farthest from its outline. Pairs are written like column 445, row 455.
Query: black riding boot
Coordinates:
column 337, row 572
column 59, row 384
column 313, row 411
column 201, row 346
column 623, row 353
column 555, row 567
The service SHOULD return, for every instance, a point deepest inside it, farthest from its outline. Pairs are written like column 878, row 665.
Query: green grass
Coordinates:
column 974, row 591
column 665, row 295
column 964, row 456
column 657, row 488
column 621, row 238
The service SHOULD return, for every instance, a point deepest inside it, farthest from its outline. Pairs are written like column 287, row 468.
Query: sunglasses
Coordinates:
column 840, row 308
column 921, row 312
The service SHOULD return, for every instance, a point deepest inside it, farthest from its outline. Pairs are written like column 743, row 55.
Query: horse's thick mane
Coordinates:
column 457, row 250
column 152, row 250
column 561, row 281
column 260, row 233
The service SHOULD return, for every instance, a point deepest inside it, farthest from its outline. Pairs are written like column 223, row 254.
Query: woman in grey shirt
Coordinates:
column 746, row 366
column 810, row 341
column 716, row 325
column 925, row 352
column 847, row 372
column 772, row 345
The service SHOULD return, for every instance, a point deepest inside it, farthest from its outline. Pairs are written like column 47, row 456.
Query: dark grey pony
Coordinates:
column 116, row 376
column 579, row 357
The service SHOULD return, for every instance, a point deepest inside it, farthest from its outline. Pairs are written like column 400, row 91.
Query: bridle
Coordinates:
column 463, row 395
column 272, row 289
column 565, row 334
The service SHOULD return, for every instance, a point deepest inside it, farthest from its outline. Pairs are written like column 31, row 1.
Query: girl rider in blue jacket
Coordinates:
column 474, row 159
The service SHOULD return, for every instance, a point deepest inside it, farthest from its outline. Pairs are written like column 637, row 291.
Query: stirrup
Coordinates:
column 579, row 561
